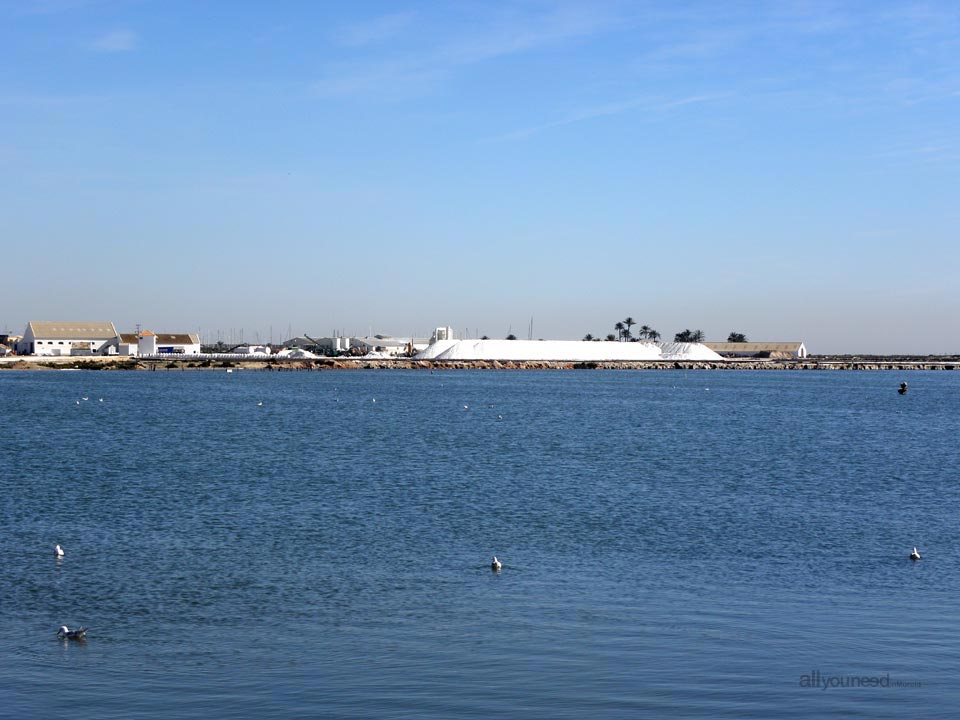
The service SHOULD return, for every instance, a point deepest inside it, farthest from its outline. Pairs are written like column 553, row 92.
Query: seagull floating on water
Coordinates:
column 903, row 388
column 58, row 551
column 914, row 555
column 260, row 404
column 65, row 633
column 84, row 399
column 101, row 399
column 495, row 564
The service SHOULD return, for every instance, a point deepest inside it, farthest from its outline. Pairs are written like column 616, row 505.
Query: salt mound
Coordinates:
column 687, row 351
column 563, row 350
column 297, row 354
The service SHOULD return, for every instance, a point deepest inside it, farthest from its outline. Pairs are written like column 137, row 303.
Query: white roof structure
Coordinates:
column 71, row 330
column 564, row 350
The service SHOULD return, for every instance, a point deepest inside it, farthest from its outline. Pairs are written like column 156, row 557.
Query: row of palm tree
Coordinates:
column 690, row 336
column 624, row 332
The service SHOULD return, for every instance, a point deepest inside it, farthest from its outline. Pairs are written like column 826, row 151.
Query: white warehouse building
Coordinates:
column 68, row 338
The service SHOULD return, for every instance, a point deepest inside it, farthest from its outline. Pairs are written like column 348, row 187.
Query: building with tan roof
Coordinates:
column 151, row 343
column 62, row 337
column 759, row 349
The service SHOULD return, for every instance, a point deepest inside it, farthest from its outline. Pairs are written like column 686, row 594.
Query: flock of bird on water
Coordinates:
column 65, row 633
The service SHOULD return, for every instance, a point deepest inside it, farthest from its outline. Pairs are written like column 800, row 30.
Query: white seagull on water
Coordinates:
column 58, row 551
column 914, row 555
column 495, row 564
column 65, row 633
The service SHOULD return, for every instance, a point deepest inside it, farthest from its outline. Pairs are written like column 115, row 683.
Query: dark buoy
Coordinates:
column 914, row 555
column 903, row 388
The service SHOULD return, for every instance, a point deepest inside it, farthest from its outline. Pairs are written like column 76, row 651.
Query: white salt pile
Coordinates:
column 297, row 354
column 564, row 350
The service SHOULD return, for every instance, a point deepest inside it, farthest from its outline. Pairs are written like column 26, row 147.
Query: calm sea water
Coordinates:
column 675, row 544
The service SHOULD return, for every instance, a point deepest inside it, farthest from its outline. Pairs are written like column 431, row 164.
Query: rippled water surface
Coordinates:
column 675, row 544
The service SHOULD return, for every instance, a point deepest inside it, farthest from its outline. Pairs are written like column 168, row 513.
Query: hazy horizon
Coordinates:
column 787, row 171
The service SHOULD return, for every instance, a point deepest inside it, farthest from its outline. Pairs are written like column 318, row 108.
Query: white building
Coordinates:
column 252, row 350
column 150, row 343
column 69, row 338
column 128, row 344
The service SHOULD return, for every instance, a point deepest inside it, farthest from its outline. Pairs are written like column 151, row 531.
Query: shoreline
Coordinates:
column 344, row 363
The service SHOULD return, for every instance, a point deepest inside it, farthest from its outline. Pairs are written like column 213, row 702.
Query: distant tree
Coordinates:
column 484, row 338
column 511, row 336
column 619, row 327
column 653, row 335
column 689, row 336
column 588, row 337
column 611, row 336
column 629, row 322
column 644, row 332
column 736, row 337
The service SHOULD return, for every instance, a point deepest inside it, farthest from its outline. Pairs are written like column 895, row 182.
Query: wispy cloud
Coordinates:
column 931, row 152
column 508, row 33
column 379, row 29
column 647, row 105
column 387, row 81
column 121, row 40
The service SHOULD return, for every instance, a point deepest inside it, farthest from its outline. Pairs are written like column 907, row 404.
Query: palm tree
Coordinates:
column 629, row 322
column 689, row 336
column 619, row 328
column 653, row 335
column 588, row 337
column 644, row 331
column 737, row 337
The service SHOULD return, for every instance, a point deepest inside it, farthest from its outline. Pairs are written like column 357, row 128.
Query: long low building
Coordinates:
column 759, row 349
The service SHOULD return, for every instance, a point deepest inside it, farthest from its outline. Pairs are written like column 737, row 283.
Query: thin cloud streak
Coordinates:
column 606, row 111
column 380, row 29
column 116, row 41
column 397, row 77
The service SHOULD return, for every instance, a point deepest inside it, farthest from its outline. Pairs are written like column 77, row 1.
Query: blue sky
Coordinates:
column 788, row 170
